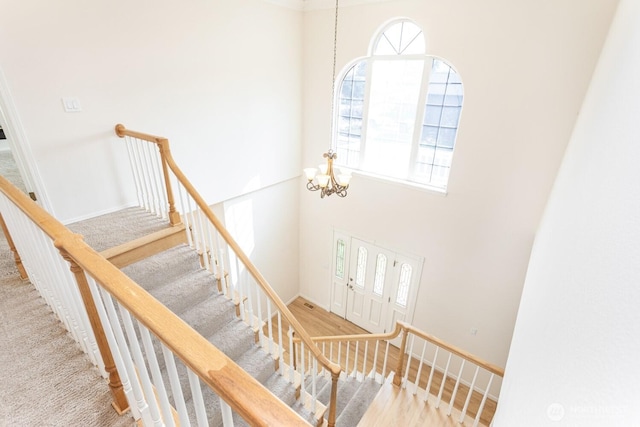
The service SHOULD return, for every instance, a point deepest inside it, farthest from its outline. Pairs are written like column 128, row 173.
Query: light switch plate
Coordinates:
column 71, row 105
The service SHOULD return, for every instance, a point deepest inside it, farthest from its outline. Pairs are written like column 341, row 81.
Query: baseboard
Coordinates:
column 316, row 303
column 99, row 213
column 295, row 297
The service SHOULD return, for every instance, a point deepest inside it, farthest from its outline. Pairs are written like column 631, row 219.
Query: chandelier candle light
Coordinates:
column 326, row 181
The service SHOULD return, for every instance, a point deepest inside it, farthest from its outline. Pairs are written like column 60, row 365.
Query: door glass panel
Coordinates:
column 403, row 285
column 362, row 267
column 378, row 280
column 340, row 258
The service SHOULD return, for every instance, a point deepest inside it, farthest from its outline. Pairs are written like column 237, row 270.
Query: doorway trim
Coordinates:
column 19, row 145
column 340, row 278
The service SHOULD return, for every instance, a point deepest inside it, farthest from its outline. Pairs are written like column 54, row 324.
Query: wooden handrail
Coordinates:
column 251, row 268
column 359, row 337
column 407, row 328
column 494, row 369
column 163, row 147
column 242, row 392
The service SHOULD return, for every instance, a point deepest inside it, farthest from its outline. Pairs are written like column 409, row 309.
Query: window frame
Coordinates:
column 409, row 180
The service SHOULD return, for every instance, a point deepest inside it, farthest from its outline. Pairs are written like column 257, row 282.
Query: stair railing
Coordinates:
column 108, row 315
column 238, row 278
column 458, row 378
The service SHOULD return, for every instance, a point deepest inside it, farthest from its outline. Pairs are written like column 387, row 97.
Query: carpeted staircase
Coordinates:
column 176, row 279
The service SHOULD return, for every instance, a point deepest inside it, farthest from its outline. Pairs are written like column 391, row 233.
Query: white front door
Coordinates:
column 373, row 286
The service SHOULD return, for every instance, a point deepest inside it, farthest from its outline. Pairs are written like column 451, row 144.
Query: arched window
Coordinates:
column 399, row 109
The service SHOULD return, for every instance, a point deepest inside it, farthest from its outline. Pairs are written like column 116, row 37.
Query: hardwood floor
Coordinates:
column 319, row 322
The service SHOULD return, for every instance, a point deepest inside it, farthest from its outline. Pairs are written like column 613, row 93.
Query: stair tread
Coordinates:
column 257, row 363
column 210, row 315
column 234, row 338
column 346, row 389
column 168, row 266
column 190, row 290
column 115, row 228
column 358, row 404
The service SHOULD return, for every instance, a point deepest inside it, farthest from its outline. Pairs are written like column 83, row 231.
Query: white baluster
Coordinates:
column 142, row 407
column 484, row 400
column 162, row 195
column 113, row 345
column 432, row 371
column 270, row 327
column 324, row 349
column 134, row 169
column 227, row 414
column 143, row 375
column 364, row 362
column 196, row 396
column 444, row 380
column 291, row 351
column 314, row 393
column 466, row 402
column 384, row 363
column 455, row 388
column 280, row 344
column 415, row 389
column 176, row 388
column 185, row 213
column 346, row 371
column 144, row 181
column 259, row 325
column 406, row 373
column 150, row 176
column 302, row 369
column 355, row 360
column 158, row 382
column 375, row 361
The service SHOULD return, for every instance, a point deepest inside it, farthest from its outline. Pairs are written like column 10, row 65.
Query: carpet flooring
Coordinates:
column 47, row 380
column 9, row 170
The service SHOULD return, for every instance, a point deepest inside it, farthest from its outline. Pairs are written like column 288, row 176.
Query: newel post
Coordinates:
column 331, row 421
column 12, row 246
column 174, row 215
column 119, row 403
column 397, row 377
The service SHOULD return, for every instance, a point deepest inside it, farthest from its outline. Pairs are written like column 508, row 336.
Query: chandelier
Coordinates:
column 327, row 181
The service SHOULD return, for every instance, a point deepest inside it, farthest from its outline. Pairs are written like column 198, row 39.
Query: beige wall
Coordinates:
column 573, row 360
column 525, row 66
column 220, row 79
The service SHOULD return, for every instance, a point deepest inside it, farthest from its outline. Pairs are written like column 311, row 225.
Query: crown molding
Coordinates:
column 306, row 5
column 289, row 4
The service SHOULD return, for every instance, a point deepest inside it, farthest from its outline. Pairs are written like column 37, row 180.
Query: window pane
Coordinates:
column 349, row 119
column 432, row 115
column 450, row 116
column 446, row 137
column 401, row 38
column 440, row 125
column 429, row 135
column 361, row 267
column 395, row 87
column 403, row 285
column 378, row 281
column 340, row 258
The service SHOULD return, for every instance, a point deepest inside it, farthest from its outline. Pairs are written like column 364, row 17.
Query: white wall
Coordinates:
column 574, row 356
column 220, row 79
column 265, row 225
column 525, row 66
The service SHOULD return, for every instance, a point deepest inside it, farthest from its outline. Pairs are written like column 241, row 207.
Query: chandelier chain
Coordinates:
column 333, row 79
